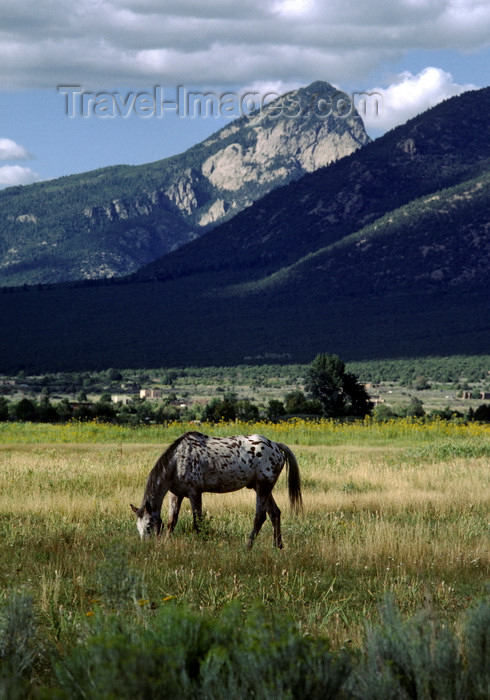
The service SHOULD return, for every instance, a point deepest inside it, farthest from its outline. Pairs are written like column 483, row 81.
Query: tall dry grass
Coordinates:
column 409, row 516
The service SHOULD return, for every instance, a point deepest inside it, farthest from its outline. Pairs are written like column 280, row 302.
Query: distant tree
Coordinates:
column 166, row 412
column 83, row 412
column 383, row 412
column 446, row 413
column 246, row 411
column 144, row 411
column 4, row 409
column 219, row 409
column 170, row 377
column 297, row 403
column 482, row 413
column 104, row 408
column 294, row 402
column 275, row 409
column 64, row 409
column 45, row 412
column 339, row 393
column 420, row 383
column 25, row 410
column 414, row 409
column 356, row 397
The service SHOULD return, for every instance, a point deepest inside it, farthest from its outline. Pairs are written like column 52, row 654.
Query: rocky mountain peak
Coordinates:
column 112, row 221
column 295, row 134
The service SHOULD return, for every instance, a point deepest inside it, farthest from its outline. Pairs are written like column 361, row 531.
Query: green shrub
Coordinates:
column 477, row 650
column 17, row 646
column 185, row 655
column 257, row 658
column 165, row 650
column 119, row 585
column 418, row 659
column 124, row 660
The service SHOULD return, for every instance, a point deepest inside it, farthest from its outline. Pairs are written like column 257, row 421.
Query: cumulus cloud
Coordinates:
column 102, row 43
column 16, row 175
column 408, row 96
column 10, row 150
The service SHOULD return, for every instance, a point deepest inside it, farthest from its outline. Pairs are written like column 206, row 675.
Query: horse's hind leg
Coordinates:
column 275, row 516
column 173, row 512
column 260, row 515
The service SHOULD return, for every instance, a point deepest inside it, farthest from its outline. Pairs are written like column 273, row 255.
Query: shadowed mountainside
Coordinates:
column 384, row 253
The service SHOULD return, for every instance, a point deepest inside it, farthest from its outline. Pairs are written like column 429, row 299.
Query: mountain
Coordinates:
column 384, row 253
column 440, row 148
column 110, row 222
column 433, row 245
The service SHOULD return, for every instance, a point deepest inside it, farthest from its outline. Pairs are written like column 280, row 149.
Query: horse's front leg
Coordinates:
column 173, row 512
column 196, row 504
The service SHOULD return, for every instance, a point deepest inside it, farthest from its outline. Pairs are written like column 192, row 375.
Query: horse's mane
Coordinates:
column 163, row 461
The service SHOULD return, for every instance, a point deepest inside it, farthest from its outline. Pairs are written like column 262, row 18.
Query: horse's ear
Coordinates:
column 134, row 509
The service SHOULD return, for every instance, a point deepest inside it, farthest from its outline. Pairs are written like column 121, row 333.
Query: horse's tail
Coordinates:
column 294, row 481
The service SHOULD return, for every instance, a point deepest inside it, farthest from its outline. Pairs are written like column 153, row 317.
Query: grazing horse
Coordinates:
column 195, row 463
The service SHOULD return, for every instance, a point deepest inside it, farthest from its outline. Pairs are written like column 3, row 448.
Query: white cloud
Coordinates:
column 408, row 96
column 104, row 43
column 16, row 175
column 9, row 150
column 294, row 8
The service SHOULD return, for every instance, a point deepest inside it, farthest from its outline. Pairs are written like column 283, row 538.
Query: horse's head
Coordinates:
column 148, row 521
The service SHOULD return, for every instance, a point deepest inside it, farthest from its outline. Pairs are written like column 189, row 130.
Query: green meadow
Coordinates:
column 398, row 508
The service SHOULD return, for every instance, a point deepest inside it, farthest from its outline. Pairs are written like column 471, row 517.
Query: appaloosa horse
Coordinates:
column 196, row 463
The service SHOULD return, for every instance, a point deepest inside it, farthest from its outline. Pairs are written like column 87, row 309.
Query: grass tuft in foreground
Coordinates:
column 174, row 652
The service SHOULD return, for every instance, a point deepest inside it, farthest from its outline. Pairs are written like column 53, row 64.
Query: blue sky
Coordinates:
column 413, row 53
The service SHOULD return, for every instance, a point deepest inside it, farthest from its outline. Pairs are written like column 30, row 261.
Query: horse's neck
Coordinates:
column 156, row 487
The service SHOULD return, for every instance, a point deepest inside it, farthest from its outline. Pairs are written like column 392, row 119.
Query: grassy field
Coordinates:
column 400, row 507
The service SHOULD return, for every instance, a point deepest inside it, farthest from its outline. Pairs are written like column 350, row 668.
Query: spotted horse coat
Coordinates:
column 196, row 463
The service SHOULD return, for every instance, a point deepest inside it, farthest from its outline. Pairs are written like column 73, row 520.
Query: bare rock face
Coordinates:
column 288, row 138
column 181, row 192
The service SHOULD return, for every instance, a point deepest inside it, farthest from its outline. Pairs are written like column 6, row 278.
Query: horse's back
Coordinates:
column 223, row 464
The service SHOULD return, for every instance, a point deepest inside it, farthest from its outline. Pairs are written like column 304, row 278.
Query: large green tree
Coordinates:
column 339, row 392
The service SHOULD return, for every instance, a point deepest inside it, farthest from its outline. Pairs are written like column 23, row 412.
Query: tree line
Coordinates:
column 330, row 391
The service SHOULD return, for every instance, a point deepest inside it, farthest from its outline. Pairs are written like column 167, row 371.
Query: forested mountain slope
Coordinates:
column 110, row 222
column 442, row 147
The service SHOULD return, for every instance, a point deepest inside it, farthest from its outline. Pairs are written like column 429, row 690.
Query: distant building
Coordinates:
column 151, row 393
column 485, row 395
column 466, row 394
column 120, row 398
